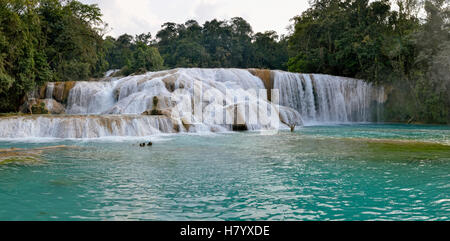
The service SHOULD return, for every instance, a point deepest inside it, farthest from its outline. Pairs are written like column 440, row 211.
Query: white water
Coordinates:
column 210, row 87
column 83, row 126
column 49, row 90
column 113, row 107
column 134, row 94
column 327, row 99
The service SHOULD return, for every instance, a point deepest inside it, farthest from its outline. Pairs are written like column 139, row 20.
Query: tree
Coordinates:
column 368, row 40
column 46, row 40
column 270, row 53
column 227, row 43
column 433, row 82
column 133, row 54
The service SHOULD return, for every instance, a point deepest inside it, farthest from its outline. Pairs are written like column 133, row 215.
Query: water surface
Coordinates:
column 341, row 172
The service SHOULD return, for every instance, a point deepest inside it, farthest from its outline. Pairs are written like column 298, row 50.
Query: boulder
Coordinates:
column 53, row 106
column 39, row 106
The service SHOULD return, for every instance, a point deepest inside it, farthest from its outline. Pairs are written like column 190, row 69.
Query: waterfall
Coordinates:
column 326, row 99
column 196, row 100
column 90, row 98
column 49, row 90
column 134, row 94
column 83, row 126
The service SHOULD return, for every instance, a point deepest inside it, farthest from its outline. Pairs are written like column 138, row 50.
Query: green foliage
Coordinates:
column 222, row 44
column 74, row 43
column 344, row 38
column 39, row 109
column 368, row 40
column 46, row 40
column 61, row 40
column 427, row 86
column 271, row 54
column 216, row 44
column 133, row 55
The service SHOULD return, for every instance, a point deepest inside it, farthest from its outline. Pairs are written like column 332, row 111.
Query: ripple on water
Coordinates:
column 317, row 173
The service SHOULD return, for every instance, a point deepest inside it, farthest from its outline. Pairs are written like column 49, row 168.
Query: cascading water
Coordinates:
column 63, row 126
column 225, row 98
column 327, row 99
column 49, row 90
column 91, row 97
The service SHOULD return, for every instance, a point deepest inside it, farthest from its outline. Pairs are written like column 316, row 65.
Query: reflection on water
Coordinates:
column 359, row 172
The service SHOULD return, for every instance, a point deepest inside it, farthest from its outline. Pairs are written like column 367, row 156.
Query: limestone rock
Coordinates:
column 152, row 112
column 171, row 83
column 267, row 77
column 26, row 106
column 39, row 106
column 61, row 90
column 42, row 91
column 165, row 112
column 53, row 106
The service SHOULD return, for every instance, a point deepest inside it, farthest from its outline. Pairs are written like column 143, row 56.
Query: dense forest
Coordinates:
column 403, row 45
column 216, row 44
column 398, row 48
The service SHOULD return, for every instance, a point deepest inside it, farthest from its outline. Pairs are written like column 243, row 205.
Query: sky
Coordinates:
column 143, row 16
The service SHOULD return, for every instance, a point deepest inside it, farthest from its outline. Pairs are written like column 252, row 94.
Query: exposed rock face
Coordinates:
column 26, row 106
column 45, row 106
column 61, row 90
column 42, row 90
column 162, row 102
column 171, row 82
column 266, row 76
column 161, row 105
column 53, row 106
column 153, row 112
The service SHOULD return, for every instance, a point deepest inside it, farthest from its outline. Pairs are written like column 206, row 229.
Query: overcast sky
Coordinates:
column 141, row 16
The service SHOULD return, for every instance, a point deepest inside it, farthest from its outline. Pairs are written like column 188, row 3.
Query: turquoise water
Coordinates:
column 343, row 172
